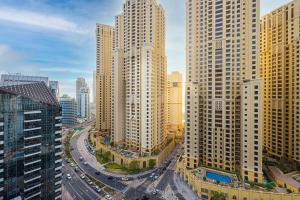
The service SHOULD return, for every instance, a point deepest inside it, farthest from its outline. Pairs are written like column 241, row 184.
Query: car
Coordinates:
column 155, row 177
column 98, row 190
column 69, row 177
column 76, row 169
column 125, row 178
column 90, row 182
column 154, row 192
column 110, row 178
column 108, row 197
column 97, row 173
column 85, row 163
column 82, row 176
column 72, row 164
column 81, row 158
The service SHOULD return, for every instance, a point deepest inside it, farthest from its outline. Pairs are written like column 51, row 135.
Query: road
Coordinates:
column 77, row 187
column 88, row 169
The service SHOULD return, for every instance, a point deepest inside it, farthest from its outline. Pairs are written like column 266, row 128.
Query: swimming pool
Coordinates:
column 298, row 180
column 218, row 177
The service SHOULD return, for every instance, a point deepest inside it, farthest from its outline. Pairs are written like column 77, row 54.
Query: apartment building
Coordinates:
column 105, row 40
column 118, row 98
column 84, row 107
column 174, row 101
column 30, row 143
column 280, row 38
column 222, row 60
column 138, row 76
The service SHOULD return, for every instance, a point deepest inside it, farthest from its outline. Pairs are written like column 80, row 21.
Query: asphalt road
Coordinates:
column 113, row 183
column 77, row 187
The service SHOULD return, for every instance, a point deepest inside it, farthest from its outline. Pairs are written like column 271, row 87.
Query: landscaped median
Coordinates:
column 122, row 161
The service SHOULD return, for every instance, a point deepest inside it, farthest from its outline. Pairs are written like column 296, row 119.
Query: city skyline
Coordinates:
column 63, row 48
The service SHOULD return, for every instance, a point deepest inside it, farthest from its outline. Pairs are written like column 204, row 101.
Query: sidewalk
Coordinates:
column 91, row 159
column 184, row 189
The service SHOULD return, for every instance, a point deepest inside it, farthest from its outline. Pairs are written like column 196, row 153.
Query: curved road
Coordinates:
column 88, row 169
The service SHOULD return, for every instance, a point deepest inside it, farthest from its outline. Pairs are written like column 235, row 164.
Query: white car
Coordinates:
column 69, row 177
column 85, row 163
column 124, row 178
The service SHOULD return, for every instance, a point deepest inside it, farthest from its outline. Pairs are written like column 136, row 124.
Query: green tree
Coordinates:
column 152, row 163
column 218, row 196
column 134, row 165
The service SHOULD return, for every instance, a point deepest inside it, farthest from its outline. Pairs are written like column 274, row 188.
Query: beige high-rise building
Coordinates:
column 118, row 98
column 175, row 113
column 105, row 43
column 280, row 65
column 138, row 83
column 145, row 75
column 222, row 63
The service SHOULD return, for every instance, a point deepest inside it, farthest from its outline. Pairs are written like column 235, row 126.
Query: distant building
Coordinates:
column 174, row 89
column 18, row 79
column 69, row 110
column 54, row 88
column 30, row 143
column 84, row 111
column 80, row 82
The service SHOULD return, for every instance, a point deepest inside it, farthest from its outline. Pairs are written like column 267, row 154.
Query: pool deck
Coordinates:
column 201, row 173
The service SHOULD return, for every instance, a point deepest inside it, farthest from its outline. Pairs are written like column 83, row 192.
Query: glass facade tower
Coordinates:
column 30, row 143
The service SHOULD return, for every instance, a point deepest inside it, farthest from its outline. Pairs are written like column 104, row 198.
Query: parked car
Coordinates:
column 82, row 176
column 125, row 178
column 85, row 163
column 110, row 178
column 81, row 158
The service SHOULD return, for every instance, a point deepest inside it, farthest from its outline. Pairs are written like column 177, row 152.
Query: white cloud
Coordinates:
column 39, row 20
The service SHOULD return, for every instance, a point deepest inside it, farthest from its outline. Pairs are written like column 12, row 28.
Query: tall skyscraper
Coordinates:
column 30, row 142
column 54, row 88
column 175, row 113
column 84, row 108
column 118, row 98
column 138, row 75
column 19, row 79
column 69, row 110
column 105, row 39
column 222, row 72
column 145, row 75
column 80, row 83
column 280, row 65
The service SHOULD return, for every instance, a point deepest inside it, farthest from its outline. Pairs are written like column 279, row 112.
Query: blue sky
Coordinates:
column 55, row 38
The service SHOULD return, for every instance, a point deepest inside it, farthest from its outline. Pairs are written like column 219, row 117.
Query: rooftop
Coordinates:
column 35, row 91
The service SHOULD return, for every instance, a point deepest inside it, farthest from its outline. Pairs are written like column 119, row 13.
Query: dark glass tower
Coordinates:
column 30, row 143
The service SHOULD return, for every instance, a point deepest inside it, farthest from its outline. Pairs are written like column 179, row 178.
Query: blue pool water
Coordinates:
column 218, row 177
column 298, row 180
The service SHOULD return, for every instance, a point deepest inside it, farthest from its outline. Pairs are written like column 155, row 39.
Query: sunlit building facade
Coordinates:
column 280, row 65
column 174, row 101
column 105, row 42
column 222, row 61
